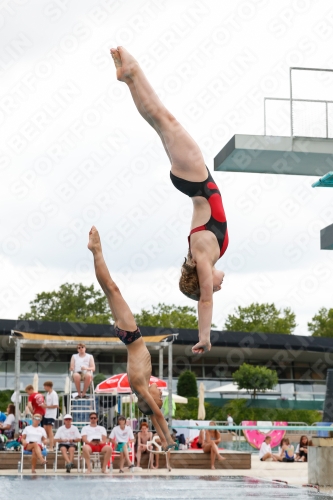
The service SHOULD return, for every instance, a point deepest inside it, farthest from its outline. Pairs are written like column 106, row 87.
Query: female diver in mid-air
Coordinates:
column 208, row 239
column 138, row 357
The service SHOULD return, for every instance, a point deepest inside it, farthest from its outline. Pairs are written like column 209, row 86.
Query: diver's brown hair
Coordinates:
column 189, row 281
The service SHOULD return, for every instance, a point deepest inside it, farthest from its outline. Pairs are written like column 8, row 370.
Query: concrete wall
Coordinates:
column 320, row 465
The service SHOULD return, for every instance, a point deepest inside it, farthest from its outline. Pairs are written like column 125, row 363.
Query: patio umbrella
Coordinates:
column 119, row 384
column 35, row 382
column 175, row 398
column 233, row 388
column 201, row 407
column 127, row 399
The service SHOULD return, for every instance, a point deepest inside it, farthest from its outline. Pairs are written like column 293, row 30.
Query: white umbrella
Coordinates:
column 201, row 407
column 176, row 398
column 127, row 399
column 35, row 382
column 227, row 388
column 233, row 388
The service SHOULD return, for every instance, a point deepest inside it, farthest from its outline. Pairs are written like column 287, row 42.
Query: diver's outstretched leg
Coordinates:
column 184, row 153
column 121, row 312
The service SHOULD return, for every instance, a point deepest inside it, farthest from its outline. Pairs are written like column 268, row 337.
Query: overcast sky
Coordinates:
column 75, row 152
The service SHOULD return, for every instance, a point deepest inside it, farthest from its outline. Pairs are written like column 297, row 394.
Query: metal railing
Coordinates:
column 108, row 407
column 291, row 100
column 292, row 120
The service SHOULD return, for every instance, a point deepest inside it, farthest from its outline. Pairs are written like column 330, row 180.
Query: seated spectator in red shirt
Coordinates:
column 95, row 440
column 36, row 401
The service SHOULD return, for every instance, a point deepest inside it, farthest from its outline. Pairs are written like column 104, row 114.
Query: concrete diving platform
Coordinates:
column 276, row 155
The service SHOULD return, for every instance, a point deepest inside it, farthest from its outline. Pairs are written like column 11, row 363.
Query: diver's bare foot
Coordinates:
column 94, row 243
column 125, row 63
column 201, row 347
column 221, row 458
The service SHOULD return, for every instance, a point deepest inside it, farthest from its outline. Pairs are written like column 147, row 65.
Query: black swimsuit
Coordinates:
column 217, row 223
column 127, row 337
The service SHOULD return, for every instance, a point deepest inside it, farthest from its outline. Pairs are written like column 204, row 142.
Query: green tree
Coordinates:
column 241, row 409
column 187, row 385
column 72, row 302
column 255, row 378
column 322, row 323
column 5, row 399
column 98, row 378
column 168, row 316
column 264, row 318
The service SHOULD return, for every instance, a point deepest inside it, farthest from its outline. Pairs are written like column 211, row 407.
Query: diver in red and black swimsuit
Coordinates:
column 208, row 237
column 217, row 223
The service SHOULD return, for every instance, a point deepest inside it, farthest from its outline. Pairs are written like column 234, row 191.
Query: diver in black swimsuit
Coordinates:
column 138, row 356
column 208, row 238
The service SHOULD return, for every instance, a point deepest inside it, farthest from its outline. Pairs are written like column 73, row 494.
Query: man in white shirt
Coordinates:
column 33, row 439
column 265, row 451
column 51, row 406
column 121, row 436
column 67, row 436
column 82, row 365
column 230, row 421
column 94, row 440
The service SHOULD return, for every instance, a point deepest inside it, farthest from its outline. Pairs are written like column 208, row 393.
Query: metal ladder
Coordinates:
column 80, row 408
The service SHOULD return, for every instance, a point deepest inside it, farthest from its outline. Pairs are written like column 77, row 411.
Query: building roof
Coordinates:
column 222, row 339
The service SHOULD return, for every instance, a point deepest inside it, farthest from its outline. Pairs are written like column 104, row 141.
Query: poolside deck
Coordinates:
column 295, row 474
column 182, row 459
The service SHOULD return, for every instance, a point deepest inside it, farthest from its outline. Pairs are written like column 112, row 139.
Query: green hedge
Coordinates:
column 5, row 399
column 240, row 411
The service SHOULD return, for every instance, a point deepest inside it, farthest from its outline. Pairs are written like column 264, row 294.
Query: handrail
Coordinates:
column 298, row 100
column 256, row 427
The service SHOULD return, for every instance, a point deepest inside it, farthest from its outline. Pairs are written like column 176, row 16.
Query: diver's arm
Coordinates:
column 158, row 418
column 205, row 304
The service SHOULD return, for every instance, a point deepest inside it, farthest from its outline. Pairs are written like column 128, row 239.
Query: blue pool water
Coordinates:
column 131, row 487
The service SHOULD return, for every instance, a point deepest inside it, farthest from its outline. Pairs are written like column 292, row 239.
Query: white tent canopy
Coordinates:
column 233, row 388
column 175, row 398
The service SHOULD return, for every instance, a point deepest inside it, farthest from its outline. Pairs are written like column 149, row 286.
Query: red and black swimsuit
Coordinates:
column 217, row 223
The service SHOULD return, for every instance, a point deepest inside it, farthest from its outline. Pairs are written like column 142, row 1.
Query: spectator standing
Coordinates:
column 68, row 436
column 120, row 436
column 94, row 439
column 82, row 365
column 265, row 451
column 230, row 421
column 8, row 426
column 144, row 435
column 51, row 406
column 36, row 401
column 34, row 439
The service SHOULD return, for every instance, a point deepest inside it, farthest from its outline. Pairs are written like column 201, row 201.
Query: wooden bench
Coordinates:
column 182, row 459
